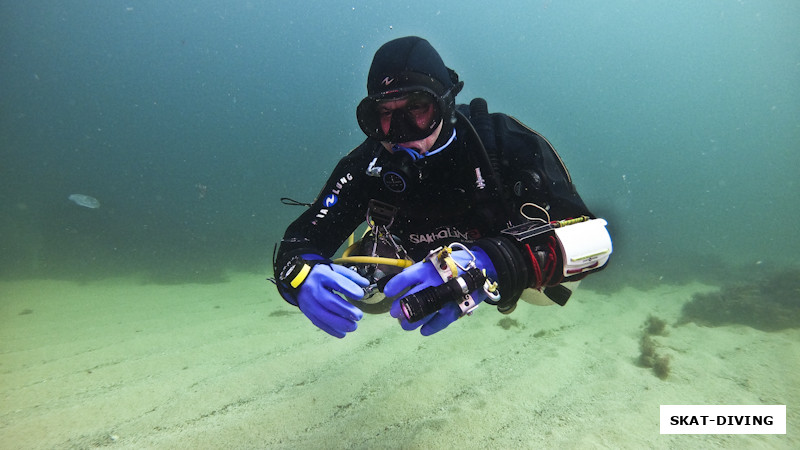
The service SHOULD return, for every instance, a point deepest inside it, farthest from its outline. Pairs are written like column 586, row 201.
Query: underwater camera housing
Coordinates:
column 377, row 256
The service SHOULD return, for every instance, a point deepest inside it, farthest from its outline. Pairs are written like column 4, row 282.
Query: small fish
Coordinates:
column 85, row 201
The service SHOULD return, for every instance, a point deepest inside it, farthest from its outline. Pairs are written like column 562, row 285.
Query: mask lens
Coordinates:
column 409, row 118
column 419, row 111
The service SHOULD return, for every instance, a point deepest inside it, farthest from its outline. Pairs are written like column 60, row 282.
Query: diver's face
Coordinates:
column 416, row 109
column 422, row 146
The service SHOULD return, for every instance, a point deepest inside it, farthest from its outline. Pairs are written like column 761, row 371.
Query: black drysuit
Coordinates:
column 450, row 201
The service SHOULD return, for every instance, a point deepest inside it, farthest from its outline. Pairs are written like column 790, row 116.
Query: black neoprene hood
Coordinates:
column 403, row 64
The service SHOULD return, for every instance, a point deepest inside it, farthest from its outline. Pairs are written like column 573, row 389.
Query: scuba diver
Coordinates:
column 462, row 207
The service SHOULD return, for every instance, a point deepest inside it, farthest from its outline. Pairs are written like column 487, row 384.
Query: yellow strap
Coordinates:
column 451, row 264
column 298, row 280
column 444, row 255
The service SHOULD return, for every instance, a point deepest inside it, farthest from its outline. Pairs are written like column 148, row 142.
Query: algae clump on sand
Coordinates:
column 771, row 304
column 650, row 357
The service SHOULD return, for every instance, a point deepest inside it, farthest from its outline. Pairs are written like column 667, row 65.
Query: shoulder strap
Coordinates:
column 487, row 155
column 479, row 114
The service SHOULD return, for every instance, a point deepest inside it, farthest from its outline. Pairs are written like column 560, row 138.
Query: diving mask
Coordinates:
column 408, row 117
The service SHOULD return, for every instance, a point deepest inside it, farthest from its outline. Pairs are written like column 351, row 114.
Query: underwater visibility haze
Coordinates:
column 678, row 123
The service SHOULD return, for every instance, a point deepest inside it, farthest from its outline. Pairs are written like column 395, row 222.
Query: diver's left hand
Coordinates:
column 423, row 275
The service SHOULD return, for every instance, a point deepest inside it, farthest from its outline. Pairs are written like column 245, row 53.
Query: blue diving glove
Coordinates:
column 423, row 275
column 318, row 298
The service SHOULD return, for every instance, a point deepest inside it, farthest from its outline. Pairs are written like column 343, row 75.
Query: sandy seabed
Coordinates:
column 123, row 364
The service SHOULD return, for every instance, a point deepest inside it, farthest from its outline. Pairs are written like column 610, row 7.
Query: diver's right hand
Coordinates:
column 319, row 301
